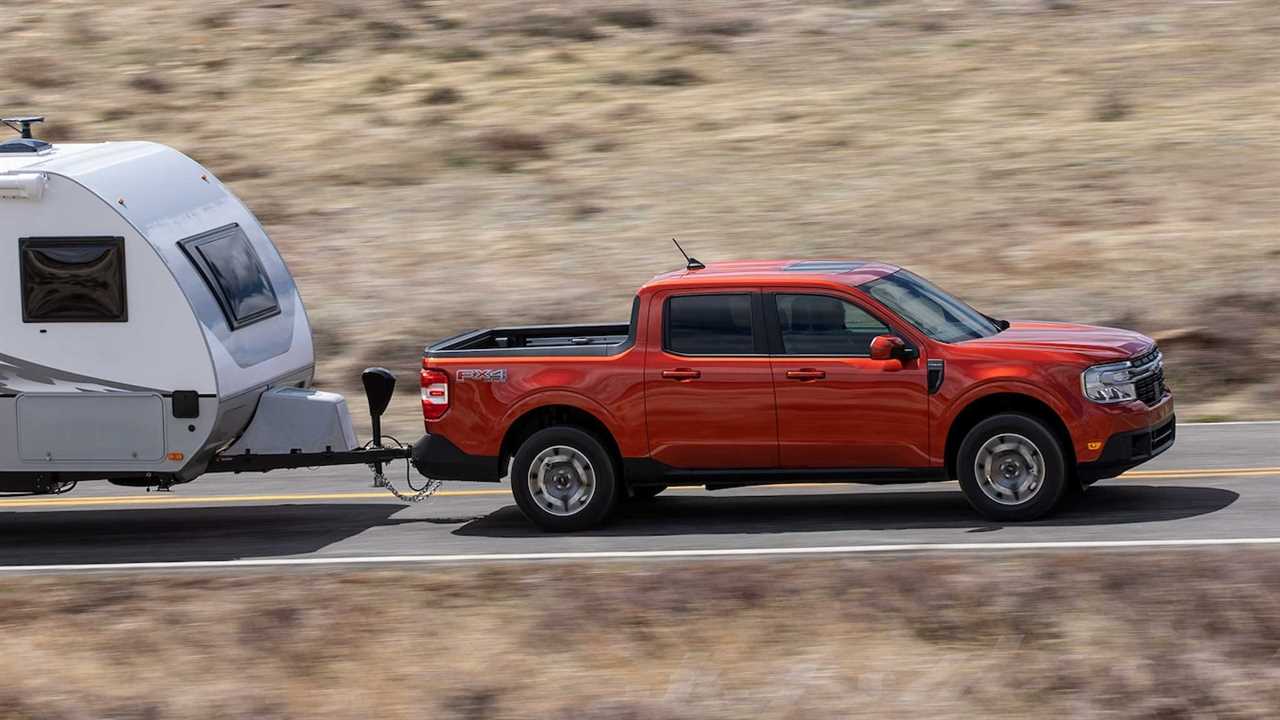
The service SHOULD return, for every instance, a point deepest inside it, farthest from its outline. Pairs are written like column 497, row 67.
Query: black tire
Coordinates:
column 644, row 493
column 1012, row 429
column 538, row 506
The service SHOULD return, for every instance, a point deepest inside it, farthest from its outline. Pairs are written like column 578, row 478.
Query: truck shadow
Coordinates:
column 676, row 514
column 183, row 534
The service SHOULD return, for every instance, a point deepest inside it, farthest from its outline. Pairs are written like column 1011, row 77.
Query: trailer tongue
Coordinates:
column 379, row 385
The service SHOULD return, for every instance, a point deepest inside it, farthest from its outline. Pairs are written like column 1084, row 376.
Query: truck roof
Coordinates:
column 850, row 273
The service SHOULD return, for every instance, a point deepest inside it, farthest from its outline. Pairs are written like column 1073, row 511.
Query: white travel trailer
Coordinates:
column 149, row 330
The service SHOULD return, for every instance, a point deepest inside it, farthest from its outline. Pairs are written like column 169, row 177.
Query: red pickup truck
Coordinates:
column 748, row 373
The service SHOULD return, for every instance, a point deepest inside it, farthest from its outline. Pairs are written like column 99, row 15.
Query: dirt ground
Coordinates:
column 429, row 167
column 1109, row 635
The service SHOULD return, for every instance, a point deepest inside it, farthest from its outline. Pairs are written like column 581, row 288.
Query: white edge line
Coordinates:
column 1229, row 422
column 647, row 554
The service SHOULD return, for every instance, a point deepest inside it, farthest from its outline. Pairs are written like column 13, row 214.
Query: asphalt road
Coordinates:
column 1220, row 483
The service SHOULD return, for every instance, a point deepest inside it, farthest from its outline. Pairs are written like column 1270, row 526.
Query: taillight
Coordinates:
column 435, row 392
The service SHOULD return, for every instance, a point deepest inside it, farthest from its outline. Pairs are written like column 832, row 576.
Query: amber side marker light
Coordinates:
column 176, row 456
column 1095, row 445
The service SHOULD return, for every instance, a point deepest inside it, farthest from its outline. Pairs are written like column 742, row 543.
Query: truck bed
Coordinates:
column 534, row 340
column 540, row 340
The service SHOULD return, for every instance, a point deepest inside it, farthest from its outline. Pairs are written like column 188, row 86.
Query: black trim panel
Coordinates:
column 646, row 471
column 1125, row 451
column 434, row 456
column 937, row 373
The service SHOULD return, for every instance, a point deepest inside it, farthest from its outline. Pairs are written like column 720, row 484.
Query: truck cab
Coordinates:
column 792, row 371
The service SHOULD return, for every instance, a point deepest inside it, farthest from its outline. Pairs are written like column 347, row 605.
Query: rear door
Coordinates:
column 709, row 382
column 838, row 408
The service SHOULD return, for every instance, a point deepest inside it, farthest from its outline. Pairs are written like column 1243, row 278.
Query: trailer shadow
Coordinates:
column 676, row 514
column 183, row 534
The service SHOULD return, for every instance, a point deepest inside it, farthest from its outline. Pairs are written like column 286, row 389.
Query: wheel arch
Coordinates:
column 996, row 403
column 551, row 415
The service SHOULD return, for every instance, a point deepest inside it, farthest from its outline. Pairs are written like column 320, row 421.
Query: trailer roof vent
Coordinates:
column 22, row 125
column 23, row 146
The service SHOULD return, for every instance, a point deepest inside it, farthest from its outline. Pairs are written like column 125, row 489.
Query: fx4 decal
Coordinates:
column 491, row 376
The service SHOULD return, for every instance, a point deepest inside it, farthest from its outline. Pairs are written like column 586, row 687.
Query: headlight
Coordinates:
column 1109, row 383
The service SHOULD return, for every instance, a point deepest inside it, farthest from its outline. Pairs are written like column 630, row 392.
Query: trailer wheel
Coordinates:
column 1011, row 468
column 563, row 479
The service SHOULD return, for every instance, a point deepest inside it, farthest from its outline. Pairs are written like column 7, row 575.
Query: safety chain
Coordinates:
column 425, row 493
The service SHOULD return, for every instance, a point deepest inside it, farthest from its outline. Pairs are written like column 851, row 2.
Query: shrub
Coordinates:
column 634, row 18
column 461, row 53
column 442, row 96
column 731, row 27
column 558, row 25
column 1112, row 108
column 673, row 77
column 149, row 83
column 382, row 84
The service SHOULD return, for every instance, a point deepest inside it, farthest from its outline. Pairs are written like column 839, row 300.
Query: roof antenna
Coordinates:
column 691, row 263
column 22, row 125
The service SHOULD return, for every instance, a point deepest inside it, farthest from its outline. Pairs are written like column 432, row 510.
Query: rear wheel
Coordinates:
column 563, row 479
column 1011, row 468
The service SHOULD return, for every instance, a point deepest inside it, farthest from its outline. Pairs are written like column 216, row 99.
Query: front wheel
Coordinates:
column 563, row 479
column 1011, row 468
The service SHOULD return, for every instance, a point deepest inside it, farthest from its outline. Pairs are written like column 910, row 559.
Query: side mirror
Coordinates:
column 379, row 386
column 891, row 347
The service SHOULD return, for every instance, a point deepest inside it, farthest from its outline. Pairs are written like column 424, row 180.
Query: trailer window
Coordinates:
column 232, row 270
column 710, row 325
column 73, row 280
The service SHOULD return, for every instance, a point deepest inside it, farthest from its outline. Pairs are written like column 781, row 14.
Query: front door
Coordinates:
column 709, row 382
column 838, row 408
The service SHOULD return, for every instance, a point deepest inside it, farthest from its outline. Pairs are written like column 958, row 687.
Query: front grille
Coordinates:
column 1150, row 389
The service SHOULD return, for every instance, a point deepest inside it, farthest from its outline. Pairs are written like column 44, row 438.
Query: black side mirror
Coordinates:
column 379, row 386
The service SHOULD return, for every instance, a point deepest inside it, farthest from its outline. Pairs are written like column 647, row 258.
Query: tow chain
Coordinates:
column 421, row 495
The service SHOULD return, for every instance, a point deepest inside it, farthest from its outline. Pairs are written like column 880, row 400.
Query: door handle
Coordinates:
column 682, row 374
column 806, row 374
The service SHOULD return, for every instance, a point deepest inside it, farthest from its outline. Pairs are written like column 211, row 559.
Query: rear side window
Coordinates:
column 710, row 325
column 73, row 280
column 823, row 325
column 232, row 270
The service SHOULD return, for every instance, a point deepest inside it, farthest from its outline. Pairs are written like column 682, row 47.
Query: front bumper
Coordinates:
column 1128, row 450
column 437, row 458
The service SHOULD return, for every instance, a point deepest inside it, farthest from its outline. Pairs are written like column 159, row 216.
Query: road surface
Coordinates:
column 1219, row 484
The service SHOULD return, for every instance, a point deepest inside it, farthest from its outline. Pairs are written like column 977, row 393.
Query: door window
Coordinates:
column 710, row 325
column 73, row 280
column 824, row 325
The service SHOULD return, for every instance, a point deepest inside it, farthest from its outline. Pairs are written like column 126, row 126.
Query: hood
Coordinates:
column 1096, row 344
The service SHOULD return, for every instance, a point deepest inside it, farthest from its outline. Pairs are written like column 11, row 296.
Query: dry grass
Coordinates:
column 1113, row 162
column 1118, row 636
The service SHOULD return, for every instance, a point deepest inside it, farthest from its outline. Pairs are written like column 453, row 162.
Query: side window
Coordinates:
column 823, row 325
column 73, row 280
column 709, row 325
column 234, row 274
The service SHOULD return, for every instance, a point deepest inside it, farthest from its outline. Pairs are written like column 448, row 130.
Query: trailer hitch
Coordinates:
column 379, row 385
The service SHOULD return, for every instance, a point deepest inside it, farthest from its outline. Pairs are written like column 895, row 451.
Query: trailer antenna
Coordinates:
column 22, row 125
column 691, row 263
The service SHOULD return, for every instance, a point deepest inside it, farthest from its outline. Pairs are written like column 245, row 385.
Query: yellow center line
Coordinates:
column 293, row 497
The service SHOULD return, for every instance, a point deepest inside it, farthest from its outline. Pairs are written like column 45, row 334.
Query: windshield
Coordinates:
column 937, row 314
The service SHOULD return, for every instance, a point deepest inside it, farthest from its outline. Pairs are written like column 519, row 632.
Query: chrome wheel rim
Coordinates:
column 561, row 480
column 1009, row 469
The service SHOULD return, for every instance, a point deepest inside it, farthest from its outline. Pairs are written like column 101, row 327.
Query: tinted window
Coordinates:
column 710, row 325
column 821, row 325
column 234, row 274
column 73, row 280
